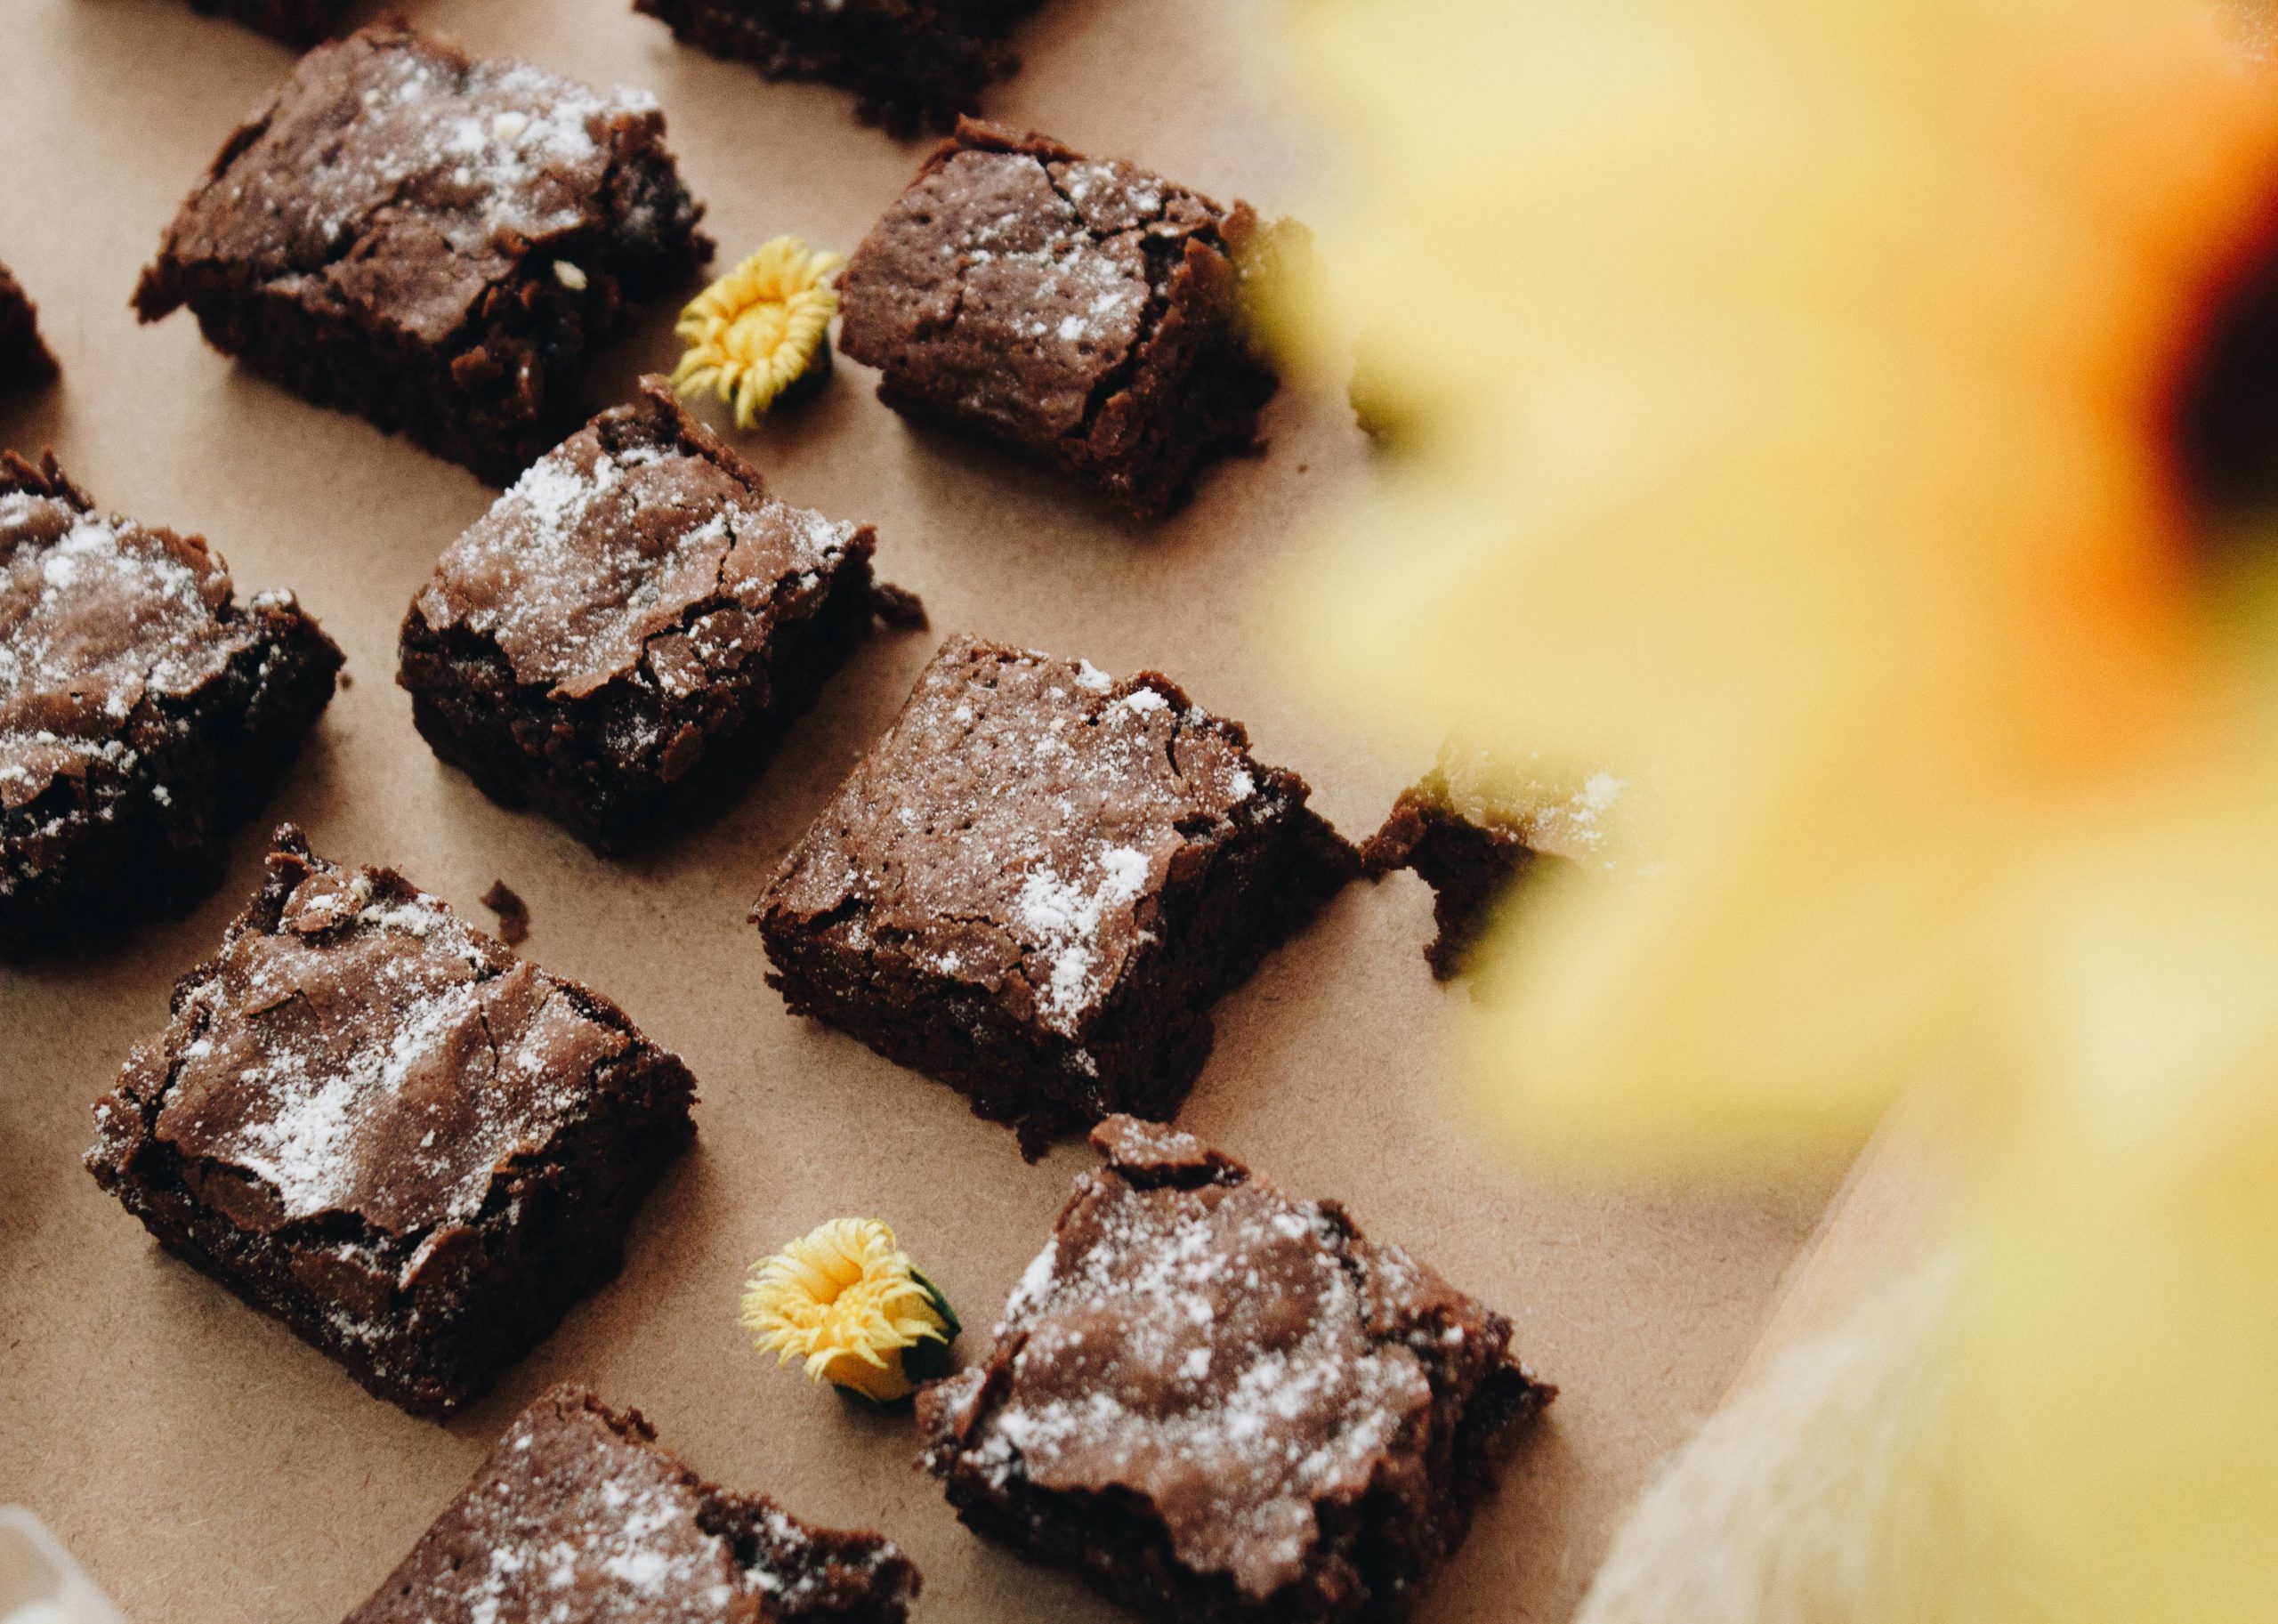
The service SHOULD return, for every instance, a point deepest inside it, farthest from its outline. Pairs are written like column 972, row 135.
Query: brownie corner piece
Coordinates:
column 1478, row 829
column 578, row 1503
column 24, row 359
column 1222, row 1403
column 435, row 242
column 145, row 712
column 627, row 634
column 1037, row 883
column 1083, row 311
column 382, row 1127
column 912, row 64
column 298, row 23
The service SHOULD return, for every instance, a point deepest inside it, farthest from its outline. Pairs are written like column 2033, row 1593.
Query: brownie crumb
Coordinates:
column 513, row 913
column 1478, row 830
column 898, row 607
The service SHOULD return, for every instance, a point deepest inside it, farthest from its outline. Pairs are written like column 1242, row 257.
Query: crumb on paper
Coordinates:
column 898, row 607
column 513, row 913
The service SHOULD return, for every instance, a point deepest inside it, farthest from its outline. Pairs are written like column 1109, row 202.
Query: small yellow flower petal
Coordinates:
column 848, row 1302
column 758, row 329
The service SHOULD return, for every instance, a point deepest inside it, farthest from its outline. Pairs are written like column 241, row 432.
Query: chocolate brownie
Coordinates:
column 631, row 628
column 434, row 242
column 1082, row 310
column 300, row 23
column 1035, row 887
column 912, row 64
column 145, row 712
column 578, row 1514
column 1224, row 1404
column 24, row 359
column 1475, row 829
column 380, row 1126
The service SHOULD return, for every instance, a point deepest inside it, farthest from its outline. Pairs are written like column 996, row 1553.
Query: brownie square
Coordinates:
column 578, row 1514
column 1081, row 310
column 145, row 712
column 434, row 242
column 1037, row 884
column 299, row 23
column 380, row 1126
column 1476, row 830
column 629, row 629
column 24, row 357
column 912, row 64
column 1224, row 1404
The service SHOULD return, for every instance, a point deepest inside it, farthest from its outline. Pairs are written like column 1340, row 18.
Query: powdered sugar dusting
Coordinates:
column 574, row 1519
column 482, row 144
column 1065, row 915
column 604, row 544
column 1015, row 821
column 579, row 1524
column 373, row 1055
column 97, row 614
column 1207, row 1348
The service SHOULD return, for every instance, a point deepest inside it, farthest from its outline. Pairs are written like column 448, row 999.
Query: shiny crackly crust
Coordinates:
column 422, row 1300
column 579, row 1508
column 951, row 908
column 629, row 754
column 1189, row 1336
column 134, row 827
column 383, row 237
column 1084, row 312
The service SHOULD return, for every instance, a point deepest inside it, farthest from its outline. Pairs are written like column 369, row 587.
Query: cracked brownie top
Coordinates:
column 394, row 177
column 578, row 1512
column 102, row 622
column 1244, row 1364
column 640, row 544
column 1018, row 282
column 1016, row 827
column 356, row 1049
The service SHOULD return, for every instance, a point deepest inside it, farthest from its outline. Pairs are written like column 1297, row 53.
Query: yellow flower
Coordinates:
column 756, row 331
column 1791, row 431
column 849, row 1301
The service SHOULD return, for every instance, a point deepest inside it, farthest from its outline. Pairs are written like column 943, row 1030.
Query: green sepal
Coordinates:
column 927, row 1359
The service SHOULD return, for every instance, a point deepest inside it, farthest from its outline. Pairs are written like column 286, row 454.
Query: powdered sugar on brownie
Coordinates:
column 1209, row 1345
column 1068, row 793
column 386, row 144
column 578, row 1515
column 619, row 535
column 1065, row 917
column 1233, row 1360
column 370, row 1053
column 96, row 613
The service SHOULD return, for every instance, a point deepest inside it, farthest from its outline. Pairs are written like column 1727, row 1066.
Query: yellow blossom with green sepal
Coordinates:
column 848, row 1301
column 760, row 328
